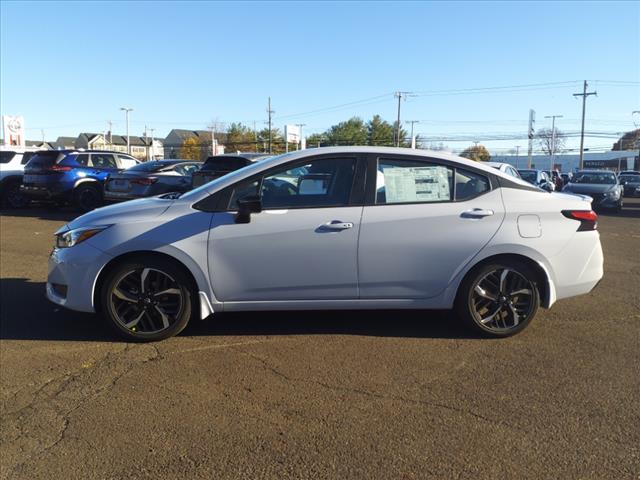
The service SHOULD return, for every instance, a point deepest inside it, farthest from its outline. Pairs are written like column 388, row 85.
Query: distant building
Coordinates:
column 176, row 138
column 612, row 160
column 63, row 143
column 141, row 147
column 38, row 145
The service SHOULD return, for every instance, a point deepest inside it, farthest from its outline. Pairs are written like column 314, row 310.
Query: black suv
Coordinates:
column 218, row 165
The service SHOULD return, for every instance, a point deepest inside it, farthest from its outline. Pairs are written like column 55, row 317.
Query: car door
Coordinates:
column 423, row 221
column 102, row 164
column 302, row 246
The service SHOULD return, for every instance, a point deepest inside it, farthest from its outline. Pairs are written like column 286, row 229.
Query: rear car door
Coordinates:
column 302, row 246
column 101, row 165
column 424, row 220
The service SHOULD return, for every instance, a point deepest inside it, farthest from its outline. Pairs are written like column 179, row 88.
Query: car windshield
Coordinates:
column 149, row 166
column 528, row 175
column 595, row 178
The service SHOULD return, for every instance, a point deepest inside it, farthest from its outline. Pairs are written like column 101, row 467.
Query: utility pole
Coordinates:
column 126, row 112
column 153, row 150
column 413, row 140
column 214, row 147
column 553, row 141
column 42, row 132
column 255, row 136
column 110, row 132
column 146, row 144
column 531, row 133
column 400, row 96
column 584, row 96
column 517, row 155
column 270, row 113
column 300, row 125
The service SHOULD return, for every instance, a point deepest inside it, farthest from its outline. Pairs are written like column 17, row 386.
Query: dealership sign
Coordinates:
column 292, row 133
column 13, row 130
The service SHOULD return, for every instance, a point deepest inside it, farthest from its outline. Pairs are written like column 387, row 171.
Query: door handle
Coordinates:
column 336, row 225
column 476, row 213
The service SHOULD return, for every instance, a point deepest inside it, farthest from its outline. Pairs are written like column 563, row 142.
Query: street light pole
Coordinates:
column 517, row 154
column 553, row 140
column 126, row 112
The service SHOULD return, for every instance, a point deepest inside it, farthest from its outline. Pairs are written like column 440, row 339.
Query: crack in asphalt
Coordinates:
column 78, row 395
column 380, row 396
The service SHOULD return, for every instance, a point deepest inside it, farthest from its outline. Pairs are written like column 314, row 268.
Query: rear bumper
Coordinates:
column 580, row 267
column 44, row 192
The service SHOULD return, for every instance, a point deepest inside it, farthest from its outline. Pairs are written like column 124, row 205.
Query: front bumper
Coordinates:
column 77, row 269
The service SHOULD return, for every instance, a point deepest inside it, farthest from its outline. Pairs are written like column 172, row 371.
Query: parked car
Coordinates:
column 601, row 185
column 566, row 177
column 150, row 178
column 504, row 167
column 218, row 165
column 629, row 172
column 631, row 185
column 11, row 171
column 537, row 178
column 332, row 228
column 74, row 176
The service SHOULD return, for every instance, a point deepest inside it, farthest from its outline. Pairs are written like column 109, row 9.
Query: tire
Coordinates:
column 140, row 315
column 87, row 197
column 12, row 197
column 495, row 306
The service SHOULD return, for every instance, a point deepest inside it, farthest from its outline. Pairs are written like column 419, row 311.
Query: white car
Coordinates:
column 12, row 164
column 320, row 229
column 505, row 168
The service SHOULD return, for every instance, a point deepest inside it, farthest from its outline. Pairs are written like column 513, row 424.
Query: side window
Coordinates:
column 5, row 157
column 413, row 181
column 318, row 183
column 26, row 157
column 469, row 185
column 83, row 159
column 513, row 172
column 103, row 160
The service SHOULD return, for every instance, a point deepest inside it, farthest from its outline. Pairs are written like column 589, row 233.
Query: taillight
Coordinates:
column 588, row 219
column 144, row 181
column 59, row 168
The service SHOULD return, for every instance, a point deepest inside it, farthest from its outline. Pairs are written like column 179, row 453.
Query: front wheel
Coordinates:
column 498, row 299
column 147, row 300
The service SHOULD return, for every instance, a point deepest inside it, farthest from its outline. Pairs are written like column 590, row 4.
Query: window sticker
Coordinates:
column 417, row 184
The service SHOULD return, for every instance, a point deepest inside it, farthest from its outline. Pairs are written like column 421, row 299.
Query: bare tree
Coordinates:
column 544, row 137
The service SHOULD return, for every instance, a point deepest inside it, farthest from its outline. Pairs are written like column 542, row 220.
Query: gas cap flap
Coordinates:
column 529, row 226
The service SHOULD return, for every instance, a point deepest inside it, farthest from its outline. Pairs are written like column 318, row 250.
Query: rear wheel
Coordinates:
column 147, row 300
column 12, row 197
column 498, row 299
column 87, row 197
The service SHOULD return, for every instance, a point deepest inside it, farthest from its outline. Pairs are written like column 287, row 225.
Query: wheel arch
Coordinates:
column 88, row 180
column 115, row 261
column 543, row 278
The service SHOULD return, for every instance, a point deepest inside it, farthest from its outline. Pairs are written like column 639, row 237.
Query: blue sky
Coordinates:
column 68, row 67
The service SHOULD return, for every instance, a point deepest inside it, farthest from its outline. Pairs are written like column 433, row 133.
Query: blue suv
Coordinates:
column 72, row 176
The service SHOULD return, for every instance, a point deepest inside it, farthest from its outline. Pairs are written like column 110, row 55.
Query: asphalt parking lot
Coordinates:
column 384, row 395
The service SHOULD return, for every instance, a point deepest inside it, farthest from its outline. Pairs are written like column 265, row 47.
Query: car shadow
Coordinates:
column 55, row 213
column 27, row 315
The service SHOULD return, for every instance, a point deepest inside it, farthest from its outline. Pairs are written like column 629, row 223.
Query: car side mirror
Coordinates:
column 246, row 206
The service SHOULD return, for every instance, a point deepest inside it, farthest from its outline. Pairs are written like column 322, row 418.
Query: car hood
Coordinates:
column 589, row 188
column 125, row 212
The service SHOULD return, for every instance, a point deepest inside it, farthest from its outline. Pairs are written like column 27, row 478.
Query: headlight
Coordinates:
column 77, row 235
column 612, row 194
